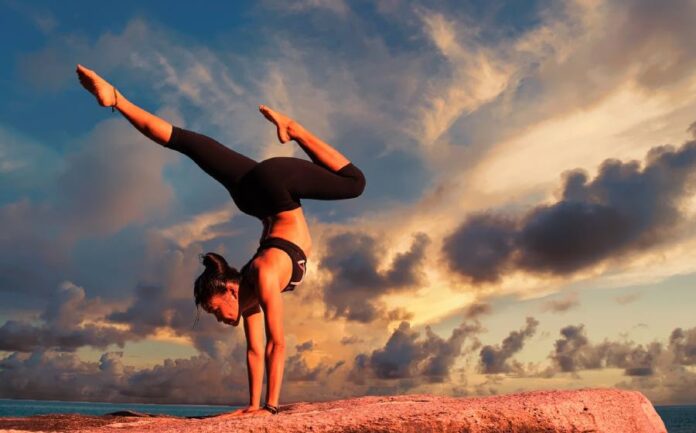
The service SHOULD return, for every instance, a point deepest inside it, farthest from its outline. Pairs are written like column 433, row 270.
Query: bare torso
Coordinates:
column 289, row 225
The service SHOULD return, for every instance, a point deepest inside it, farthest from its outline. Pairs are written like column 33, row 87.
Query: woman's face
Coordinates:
column 224, row 306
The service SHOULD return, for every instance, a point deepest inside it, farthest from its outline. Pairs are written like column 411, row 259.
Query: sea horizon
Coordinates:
column 11, row 407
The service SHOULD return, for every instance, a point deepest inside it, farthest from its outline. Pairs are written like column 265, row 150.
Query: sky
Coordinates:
column 529, row 220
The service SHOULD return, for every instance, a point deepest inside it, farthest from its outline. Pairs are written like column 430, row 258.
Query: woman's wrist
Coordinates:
column 271, row 408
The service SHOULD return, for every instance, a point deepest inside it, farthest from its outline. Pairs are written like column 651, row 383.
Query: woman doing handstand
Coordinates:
column 271, row 191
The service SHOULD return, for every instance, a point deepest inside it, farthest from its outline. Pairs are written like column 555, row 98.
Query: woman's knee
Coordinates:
column 358, row 182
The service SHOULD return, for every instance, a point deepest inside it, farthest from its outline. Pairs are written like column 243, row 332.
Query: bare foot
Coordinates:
column 284, row 124
column 97, row 86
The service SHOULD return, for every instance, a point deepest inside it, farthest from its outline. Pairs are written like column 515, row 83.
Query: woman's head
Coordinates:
column 216, row 290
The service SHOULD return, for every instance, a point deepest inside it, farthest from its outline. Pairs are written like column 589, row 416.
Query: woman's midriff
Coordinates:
column 289, row 225
column 292, row 226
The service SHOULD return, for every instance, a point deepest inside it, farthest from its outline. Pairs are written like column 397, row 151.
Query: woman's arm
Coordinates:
column 272, row 304
column 253, row 330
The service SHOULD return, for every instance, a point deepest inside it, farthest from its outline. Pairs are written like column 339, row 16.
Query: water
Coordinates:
column 19, row 408
column 678, row 419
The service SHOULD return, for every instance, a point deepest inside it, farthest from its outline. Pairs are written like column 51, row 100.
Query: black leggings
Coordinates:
column 274, row 185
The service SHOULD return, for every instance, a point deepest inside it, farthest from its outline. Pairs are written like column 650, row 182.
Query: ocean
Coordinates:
column 19, row 408
column 678, row 419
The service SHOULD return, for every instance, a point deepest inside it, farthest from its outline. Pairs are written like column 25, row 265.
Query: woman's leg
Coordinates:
column 287, row 180
column 319, row 183
column 223, row 164
column 219, row 161
column 151, row 126
column 319, row 151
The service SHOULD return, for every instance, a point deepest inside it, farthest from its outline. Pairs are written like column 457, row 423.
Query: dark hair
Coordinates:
column 214, row 278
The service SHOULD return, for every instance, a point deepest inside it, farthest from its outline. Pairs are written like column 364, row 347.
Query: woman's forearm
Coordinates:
column 275, row 361
column 255, row 374
column 153, row 127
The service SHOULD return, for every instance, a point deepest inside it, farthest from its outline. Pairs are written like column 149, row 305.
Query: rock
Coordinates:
column 576, row 411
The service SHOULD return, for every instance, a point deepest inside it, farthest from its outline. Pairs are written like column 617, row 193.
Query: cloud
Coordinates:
column 476, row 77
column 43, row 19
column 477, row 309
column 353, row 259
column 627, row 298
column 659, row 370
column 561, row 305
column 352, row 339
column 111, row 180
column 68, row 324
column 626, row 208
column 201, row 227
column 297, row 370
column 307, row 345
column 56, row 375
column 338, row 7
column 683, row 345
column 411, row 359
column 495, row 359
column 115, row 179
column 574, row 352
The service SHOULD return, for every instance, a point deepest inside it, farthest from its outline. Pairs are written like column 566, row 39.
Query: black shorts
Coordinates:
column 298, row 257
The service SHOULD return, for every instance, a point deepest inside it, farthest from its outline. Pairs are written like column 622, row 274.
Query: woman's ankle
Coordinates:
column 295, row 130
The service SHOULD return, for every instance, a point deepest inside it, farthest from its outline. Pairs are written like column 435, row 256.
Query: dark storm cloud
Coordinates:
column 63, row 376
column 495, row 359
column 335, row 367
column 481, row 247
column 297, row 370
column 625, row 208
column 63, row 327
column 477, row 309
column 574, row 352
column 155, row 307
column 152, row 307
column 656, row 369
column 356, row 284
column 307, row 345
column 406, row 356
column 683, row 345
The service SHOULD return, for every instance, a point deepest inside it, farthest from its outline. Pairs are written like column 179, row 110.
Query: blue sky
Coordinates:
column 528, row 220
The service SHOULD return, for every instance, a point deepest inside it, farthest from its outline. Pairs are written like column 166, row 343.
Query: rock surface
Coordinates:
column 576, row 411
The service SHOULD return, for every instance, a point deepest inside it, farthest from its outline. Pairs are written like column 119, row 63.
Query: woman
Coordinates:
column 271, row 191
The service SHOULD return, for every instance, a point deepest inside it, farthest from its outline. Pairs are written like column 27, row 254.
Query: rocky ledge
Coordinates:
column 585, row 410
